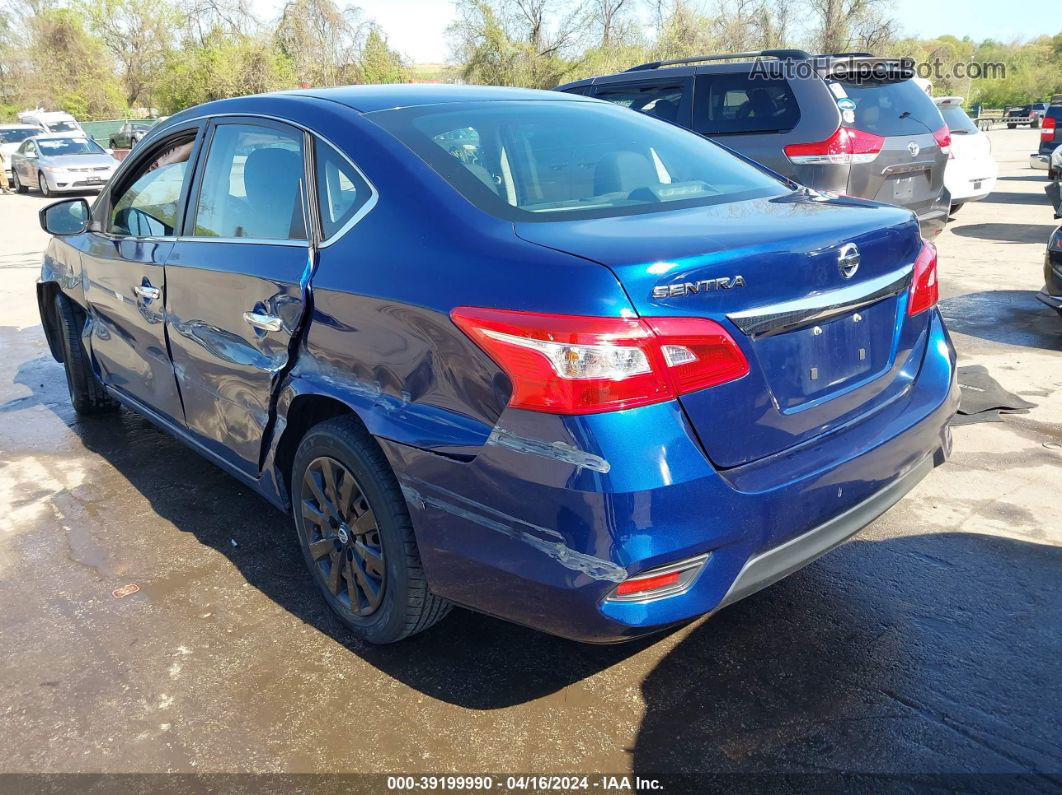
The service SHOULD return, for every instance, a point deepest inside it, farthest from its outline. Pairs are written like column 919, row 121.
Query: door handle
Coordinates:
column 147, row 292
column 263, row 322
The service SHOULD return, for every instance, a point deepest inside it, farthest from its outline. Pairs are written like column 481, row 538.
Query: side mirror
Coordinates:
column 109, row 151
column 69, row 217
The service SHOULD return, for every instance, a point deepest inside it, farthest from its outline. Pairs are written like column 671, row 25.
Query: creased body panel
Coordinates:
column 538, row 538
column 128, row 332
column 226, row 368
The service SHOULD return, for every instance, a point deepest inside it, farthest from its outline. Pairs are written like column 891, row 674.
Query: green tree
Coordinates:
column 223, row 66
column 139, row 35
column 322, row 41
column 378, row 62
column 71, row 69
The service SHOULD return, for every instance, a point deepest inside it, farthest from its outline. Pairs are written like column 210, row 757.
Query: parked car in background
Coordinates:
column 1025, row 114
column 11, row 138
column 1050, row 138
column 1051, row 294
column 517, row 350
column 51, row 121
column 878, row 139
column 971, row 171
column 56, row 163
column 130, row 134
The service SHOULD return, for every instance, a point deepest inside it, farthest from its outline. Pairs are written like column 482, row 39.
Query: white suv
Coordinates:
column 971, row 171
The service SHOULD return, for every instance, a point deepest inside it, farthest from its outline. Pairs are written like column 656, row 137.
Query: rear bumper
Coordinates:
column 549, row 517
column 1053, row 301
column 771, row 566
column 970, row 180
column 932, row 219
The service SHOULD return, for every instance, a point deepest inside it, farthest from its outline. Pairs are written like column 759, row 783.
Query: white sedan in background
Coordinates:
column 57, row 163
column 971, row 171
column 11, row 138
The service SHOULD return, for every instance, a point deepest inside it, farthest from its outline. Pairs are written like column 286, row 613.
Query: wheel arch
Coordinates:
column 46, row 293
column 301, row 412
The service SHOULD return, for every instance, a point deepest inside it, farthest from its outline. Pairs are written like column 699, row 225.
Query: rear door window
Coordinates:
column 661, row 100
column 341, row 190
column 742, row 103
column 958, row 121
column 252, row 185
column 887, row 109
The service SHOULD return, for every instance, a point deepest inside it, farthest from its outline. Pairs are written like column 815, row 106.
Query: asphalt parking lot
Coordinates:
column 929, row 643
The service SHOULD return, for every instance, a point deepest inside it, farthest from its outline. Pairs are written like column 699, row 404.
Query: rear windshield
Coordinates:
column 900, row 108
column 549, row 160
column 53, row 147
column 741, row 103
column 61, row 126
column 16, row 136
column 958, row 121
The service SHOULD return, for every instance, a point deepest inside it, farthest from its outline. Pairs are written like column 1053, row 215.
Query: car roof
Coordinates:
column 369, row 98
column 56, row 136
column 723, row 63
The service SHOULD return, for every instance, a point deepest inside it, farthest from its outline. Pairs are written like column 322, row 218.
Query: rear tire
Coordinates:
column 356, row 535
column 16, row 184
column 1011, row 126
column 1035, row 125
column 956, row 207
column 86, row 393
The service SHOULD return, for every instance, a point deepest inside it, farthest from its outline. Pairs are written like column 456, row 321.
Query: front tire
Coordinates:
column 356, row 534
column 86, row 393
column 42, row 185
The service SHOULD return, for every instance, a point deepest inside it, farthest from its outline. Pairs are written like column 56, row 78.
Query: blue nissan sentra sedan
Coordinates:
column 519, row 351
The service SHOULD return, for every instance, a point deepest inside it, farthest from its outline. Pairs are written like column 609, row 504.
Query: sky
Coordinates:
column 415, row 27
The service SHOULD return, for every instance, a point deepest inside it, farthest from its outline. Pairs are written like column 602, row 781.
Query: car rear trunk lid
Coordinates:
column 823, row 348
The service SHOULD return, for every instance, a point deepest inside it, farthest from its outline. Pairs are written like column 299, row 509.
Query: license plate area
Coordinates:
column 903, row 188
column 812, row 362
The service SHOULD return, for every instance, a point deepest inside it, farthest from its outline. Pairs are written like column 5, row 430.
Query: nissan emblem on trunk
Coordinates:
column 848, row 260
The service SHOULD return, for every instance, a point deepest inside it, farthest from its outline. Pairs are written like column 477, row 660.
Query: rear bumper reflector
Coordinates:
column 670, row 580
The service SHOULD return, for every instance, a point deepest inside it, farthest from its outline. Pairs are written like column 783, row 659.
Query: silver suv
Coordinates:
column 847, row 122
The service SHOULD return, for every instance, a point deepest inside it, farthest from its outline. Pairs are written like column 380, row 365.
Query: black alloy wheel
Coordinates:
column 342, row 536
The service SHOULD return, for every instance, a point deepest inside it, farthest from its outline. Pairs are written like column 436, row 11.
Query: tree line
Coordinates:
column 102, row 59
column 115, row 58
column 540, row 43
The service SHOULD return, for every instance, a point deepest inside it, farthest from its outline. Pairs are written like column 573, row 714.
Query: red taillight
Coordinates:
column 1047, row 129
column 943, row 139
column 571, row 364
column 844, row 147
column 647, row 584
column 924, row 290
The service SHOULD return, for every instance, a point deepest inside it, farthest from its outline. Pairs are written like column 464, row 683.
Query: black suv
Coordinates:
column 846, row 122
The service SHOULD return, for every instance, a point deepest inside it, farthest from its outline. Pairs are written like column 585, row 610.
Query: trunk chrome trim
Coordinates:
column 907, row 168
column 763, row 321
